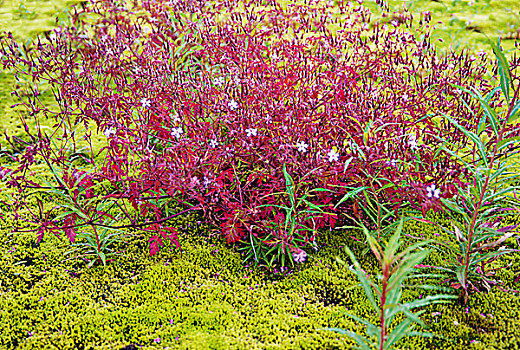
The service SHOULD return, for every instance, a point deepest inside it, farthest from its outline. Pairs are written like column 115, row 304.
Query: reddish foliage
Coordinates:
column 208, row 111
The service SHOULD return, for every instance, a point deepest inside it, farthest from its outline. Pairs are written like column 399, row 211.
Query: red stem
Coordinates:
column 482, row 194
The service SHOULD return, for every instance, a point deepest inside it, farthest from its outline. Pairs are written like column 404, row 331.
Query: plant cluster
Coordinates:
column 212, row 106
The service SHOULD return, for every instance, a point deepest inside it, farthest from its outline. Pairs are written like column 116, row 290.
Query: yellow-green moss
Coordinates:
column 205, row 298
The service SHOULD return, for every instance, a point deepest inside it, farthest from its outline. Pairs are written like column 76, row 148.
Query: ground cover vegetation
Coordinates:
column 289, row 130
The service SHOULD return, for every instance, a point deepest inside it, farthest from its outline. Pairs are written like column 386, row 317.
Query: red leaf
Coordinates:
column 70, row 220
column 155, row 244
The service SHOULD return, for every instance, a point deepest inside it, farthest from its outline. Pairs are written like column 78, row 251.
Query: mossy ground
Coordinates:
column 206, row 297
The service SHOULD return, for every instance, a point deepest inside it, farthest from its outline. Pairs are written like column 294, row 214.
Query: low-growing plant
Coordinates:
column 397, row 269
column 201, row 105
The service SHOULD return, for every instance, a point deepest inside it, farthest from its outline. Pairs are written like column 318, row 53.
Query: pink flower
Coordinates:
column 299, row 256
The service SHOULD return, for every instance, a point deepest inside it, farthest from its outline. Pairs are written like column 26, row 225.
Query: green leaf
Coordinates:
column 503, row 69
column 488, row 111
column 452, row 206
column 365, row 282
column 472, row 136
column 405, row 268
column 393, row 244
column 399, row 332
column 103, row 257
column 459, row 272
column 350, row 194
column 515, row 113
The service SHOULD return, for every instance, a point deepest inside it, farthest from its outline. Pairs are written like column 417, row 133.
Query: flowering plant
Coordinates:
column 202, row 105
column 490, row 199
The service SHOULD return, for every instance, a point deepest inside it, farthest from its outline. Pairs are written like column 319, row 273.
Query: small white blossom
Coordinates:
column 302, row 146
column 333, row 155
column 412, row 142
column 213, row 143
column 207, row 181
column 175, row 117
column 365, row 26
column 229, row 152
column 471, row 2
column 233, row 105
column 145, row 103
column 392, row 162
column 177, row 132
column 299, row 256
column 219, row 81
column 251, row 132
column 433, row 192
column 406, row 98
column 109, row 132
column 395, row 23
column 451, row 66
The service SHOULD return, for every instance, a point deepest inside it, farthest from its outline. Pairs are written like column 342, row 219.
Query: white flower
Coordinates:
column 219, row 81
column 433, row 192
column 395, row 23
column 109, row 132
column 177, row 132
column 333, row 155
column 299, row 256
column 207, row 181
column 365, row 26
column 405, row 98
column 233, row 105
column 412, row 142
column 213, row 143
column 175, row 116
column 229, row 152
column 251, row 132
column 471, row 2
column 451, row 66
column 302, row 146
column 145, row 103
column 392, row 162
